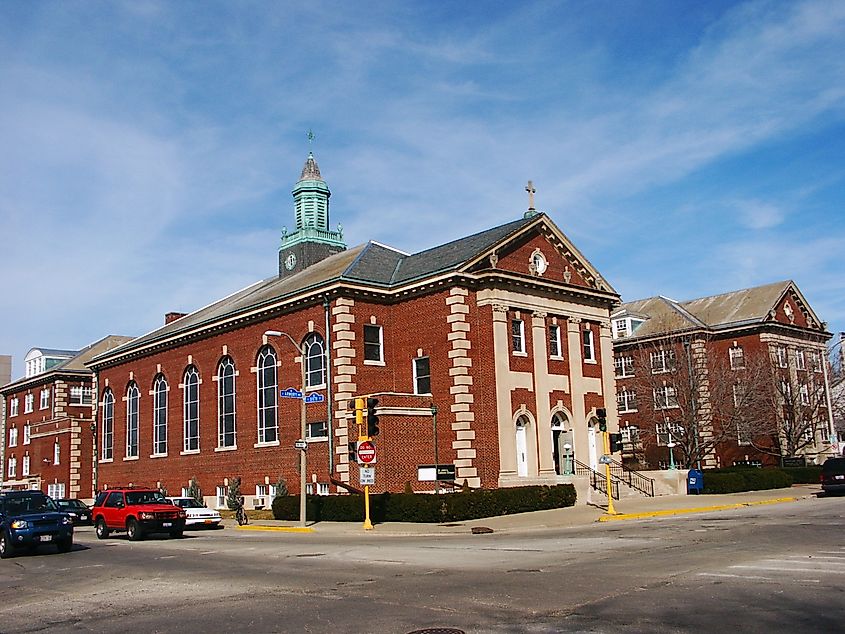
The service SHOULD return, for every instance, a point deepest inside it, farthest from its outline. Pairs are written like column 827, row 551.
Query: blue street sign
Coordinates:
column 290, row 393
column 315, row 397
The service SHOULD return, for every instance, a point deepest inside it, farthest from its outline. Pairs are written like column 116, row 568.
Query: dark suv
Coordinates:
column 136, row 511
column 833, row 475
column 29, row 519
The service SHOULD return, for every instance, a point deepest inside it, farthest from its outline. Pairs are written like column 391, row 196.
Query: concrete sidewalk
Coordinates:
column 629, row 508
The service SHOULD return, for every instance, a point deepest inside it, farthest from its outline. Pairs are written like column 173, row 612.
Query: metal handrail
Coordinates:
column 597, row 480
column 633, row 479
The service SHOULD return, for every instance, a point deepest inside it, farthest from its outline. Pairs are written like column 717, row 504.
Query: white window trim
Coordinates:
column 588, row 334
column 736, row 355
column 414, row 365
column 28, row 403
column 380, row 362
column 619, row 362
column 522, row 348
column 556, row 329
column 629, row 396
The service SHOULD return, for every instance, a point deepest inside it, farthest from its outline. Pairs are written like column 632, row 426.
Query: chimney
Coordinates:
column 169, row 317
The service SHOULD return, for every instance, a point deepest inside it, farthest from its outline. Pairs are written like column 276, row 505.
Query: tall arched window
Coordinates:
column 522, row 446
column 315, row 361
column 268, row 425
column 226, row 403
column 107, row 428
column 133, row 396
column 160, row 415
column 191, row 409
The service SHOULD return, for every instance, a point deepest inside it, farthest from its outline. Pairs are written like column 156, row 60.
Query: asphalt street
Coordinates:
column 777, row 568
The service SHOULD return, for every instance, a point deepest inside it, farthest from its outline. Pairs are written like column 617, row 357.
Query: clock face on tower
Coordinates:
column 290, row 261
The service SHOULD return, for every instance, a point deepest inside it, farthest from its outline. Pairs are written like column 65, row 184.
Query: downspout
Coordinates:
column 329, row 420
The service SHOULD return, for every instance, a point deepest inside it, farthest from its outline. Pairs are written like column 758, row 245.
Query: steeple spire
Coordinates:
column 311, row 240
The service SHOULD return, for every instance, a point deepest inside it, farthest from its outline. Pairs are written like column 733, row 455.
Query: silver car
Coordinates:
column 197, row 514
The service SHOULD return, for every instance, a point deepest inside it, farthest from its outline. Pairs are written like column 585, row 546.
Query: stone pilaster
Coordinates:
column 345, row 386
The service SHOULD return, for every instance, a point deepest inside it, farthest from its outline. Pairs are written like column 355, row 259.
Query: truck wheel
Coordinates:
column 134, row 530
column 102, row 530
column 6, row 549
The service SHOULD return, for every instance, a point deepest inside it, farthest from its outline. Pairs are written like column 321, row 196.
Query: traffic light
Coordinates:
column 372, row 419
column 615, row 443
column 601, row 414
column 353, row 451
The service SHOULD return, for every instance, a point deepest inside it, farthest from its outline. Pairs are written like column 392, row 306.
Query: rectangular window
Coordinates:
column 816, row 361
column 13, row 407
column 808, row 434
column 624, row 367
column 373, row 344
column 56, row 490
column 667, row 432
column 317, row 431
column 25, row 466
column 221, row 497
column 57, row 453
column 800, row 360
column 621, row 327
column 28, row 403
column 737, row 357
column 589, row 346
column 262, row 495
column 555, row 348
column 13, row 436
column 662, row 361
column 321, row 488
column 80, row 396
column 665, row 397
column 422, row 376
column 630, row 434
column 13, row 467
column 26, row 434
column 780, row 352
column 626, row 401
column 45, row 399
column 518, row 335
column 805, row 395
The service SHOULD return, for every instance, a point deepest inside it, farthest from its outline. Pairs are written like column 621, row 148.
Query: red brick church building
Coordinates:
column 505, row 334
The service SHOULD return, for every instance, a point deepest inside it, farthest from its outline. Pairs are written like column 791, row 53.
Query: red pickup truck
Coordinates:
column 136, row 511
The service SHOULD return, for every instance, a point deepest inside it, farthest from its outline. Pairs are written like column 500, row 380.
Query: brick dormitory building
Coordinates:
column 736, row 378
column 505, row 332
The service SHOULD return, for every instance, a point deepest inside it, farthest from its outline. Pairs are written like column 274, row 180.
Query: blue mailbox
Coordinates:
column 695, row 482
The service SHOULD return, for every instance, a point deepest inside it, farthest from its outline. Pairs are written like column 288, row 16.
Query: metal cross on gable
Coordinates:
column 531, row 191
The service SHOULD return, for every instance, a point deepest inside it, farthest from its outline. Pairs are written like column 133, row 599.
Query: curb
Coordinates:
column 699, row 509
column 279, row 529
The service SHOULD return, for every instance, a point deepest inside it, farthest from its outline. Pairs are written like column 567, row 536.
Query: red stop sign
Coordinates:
column 366, row 452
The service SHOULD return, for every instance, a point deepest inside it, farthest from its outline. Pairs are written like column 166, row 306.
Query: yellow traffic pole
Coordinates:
column 610, row 509
column 362, row 436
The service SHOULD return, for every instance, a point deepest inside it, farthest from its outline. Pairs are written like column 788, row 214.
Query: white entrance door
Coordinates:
column 591, row 439
column 521, row 450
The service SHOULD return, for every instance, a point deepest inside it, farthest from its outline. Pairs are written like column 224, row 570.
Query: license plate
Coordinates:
column 45, row 538
column 209, row 521
column 167, row 524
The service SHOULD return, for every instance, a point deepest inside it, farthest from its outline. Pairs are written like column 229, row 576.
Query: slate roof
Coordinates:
column 74, row 365
column 372, row 264
column 716, row 312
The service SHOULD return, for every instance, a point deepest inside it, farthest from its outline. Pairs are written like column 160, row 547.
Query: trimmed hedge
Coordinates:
column 804, row 475
column 427, row 508
column 737, row 480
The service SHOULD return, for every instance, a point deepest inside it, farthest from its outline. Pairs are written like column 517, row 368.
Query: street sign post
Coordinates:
column 367, row 475
column 366, row 452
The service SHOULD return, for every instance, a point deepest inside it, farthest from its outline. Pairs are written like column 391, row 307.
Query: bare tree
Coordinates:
column 791, row 402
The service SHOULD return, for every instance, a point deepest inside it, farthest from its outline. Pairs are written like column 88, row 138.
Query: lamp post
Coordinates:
column 436, row 460
column 671, row 445
column 302, row 425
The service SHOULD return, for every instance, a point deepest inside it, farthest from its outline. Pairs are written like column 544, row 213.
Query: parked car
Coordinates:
column 197, row 514
column 79, row 512
column 29, row 519
column 136, row 511
column 833, row 475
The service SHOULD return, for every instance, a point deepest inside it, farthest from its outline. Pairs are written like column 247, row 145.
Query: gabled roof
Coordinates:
column 714, row 312
column 374, row 265
column 74, row 365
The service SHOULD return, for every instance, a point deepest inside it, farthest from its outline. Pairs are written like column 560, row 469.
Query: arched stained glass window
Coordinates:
column 268, row 425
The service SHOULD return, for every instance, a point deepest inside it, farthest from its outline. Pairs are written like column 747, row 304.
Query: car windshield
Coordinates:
column 71, row 504
column 145, row 497
column 188, row 503
column 29, row 504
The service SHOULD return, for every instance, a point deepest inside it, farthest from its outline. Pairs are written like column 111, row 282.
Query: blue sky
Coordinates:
column 149, row 148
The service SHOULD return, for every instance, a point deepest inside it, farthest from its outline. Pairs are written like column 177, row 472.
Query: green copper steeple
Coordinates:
column 312, row 240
